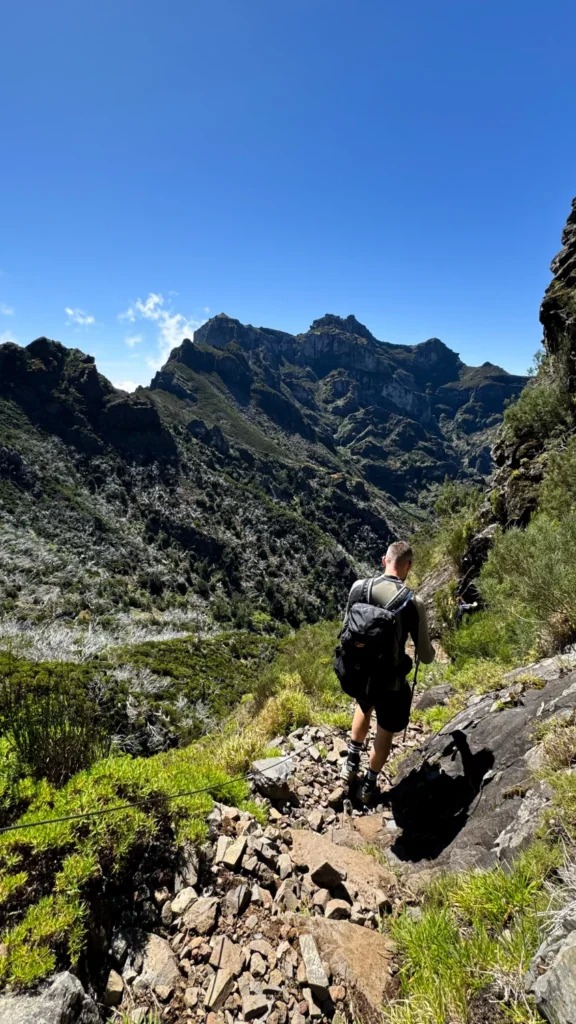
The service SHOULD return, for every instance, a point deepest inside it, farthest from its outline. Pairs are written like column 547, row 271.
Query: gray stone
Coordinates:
column 284, row 865
column 232, row 857
column 221, row 846
column 273, row 777
column 326, row 875
column 434, row 696
column 201, row 916
column 321, row 898
column 188, row 867
column 219, row 989
column 555, row 990
column 254, row 1006
column 316, row 975
column 476, row 769
column 313, row 1009
column 159, row 965
column 238, row 899
column 185, row 898
column 518, row 835
column 316, row 820
column 227, row 956
column 191, row 997
column 258, row 967
column 337, row 910
column 62, row 1001
column 114, row 990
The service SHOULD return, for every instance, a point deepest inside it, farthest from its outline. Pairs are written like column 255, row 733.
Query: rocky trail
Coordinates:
column 285, row 924
column 278, row 924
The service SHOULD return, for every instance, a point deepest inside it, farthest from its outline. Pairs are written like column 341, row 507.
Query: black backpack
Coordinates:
column 370, row 657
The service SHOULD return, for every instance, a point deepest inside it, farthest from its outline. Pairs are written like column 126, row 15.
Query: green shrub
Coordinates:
column 544, row 409
column 529, row 581
column 557, row 495
column 57, row 716
column 45, row 931
column 456, row 510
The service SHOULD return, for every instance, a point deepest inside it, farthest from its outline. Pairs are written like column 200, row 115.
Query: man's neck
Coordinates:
column 395, row 576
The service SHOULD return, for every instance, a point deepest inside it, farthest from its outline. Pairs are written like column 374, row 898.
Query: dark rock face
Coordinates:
column 557, row 310
column 521, row 460
column 467, row 799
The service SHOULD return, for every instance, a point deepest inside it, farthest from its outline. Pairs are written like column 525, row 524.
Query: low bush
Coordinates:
column 557, row 494
column 529, row 581
column 456, row 522
column 544, row 408
column 57, row 716
column 45, row 926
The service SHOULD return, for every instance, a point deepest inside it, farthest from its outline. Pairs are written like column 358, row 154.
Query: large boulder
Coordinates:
column 274, row 778
column 554, row 989
column 329, row 865
column 362, row 958
column 467, row 798
column 62, row 1001
column 159, row 966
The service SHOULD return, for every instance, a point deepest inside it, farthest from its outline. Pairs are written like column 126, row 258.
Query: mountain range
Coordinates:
column 257, row 474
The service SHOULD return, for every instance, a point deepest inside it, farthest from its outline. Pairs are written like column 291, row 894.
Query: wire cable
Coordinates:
column 148, row 799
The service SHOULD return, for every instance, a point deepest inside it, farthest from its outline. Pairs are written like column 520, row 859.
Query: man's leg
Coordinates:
column 361, row 724
column 381, row 749
column 360, row 727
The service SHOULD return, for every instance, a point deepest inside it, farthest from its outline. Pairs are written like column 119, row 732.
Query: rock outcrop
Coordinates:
column 468, row 797
column 62, row 1001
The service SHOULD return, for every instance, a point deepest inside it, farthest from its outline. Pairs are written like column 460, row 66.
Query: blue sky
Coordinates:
column 412, row 164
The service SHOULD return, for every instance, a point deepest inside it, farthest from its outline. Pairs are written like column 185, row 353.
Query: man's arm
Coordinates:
column 424, row 650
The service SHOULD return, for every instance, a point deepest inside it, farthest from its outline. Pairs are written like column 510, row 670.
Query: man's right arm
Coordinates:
column 424, row 649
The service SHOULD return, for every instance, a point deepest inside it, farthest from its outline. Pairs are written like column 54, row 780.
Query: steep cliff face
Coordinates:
column 545, row 417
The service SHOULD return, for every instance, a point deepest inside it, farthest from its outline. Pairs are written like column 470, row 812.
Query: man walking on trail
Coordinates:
column 391, row 699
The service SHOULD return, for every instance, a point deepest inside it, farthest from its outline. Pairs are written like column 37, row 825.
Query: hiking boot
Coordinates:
column 349, row 771
column 369, row 790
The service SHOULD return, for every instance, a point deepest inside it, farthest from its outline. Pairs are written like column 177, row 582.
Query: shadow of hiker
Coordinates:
column 431, row 806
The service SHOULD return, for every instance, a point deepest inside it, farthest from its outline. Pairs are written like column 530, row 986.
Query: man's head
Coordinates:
column 398, row 559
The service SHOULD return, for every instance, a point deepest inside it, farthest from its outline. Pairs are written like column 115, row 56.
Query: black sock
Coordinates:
column 354, row 751
column 371, row 775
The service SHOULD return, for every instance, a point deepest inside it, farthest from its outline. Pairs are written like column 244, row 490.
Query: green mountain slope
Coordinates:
column 257, row 474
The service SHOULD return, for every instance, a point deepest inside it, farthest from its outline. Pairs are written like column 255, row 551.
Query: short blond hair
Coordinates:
column 399, row 552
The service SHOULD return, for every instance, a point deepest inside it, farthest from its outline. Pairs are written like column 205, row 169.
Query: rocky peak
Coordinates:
column 348, row 325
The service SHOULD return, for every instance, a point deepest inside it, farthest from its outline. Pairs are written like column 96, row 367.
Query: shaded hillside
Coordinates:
column 256, row 474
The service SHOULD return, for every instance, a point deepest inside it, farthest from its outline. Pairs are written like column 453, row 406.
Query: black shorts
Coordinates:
column 393, row 710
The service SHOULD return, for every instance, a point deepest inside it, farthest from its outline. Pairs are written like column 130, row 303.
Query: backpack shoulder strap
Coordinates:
column 400, row 599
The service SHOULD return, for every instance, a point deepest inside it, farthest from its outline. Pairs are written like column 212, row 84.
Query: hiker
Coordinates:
column 463, row 608
column 372, row 663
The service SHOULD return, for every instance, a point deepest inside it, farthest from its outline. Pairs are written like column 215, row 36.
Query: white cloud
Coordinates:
column 78, row 316
column 172, row 327
column 7, row 336
column 125, row 385
column 133, row 339
column 206, row 309
column 6, row 310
